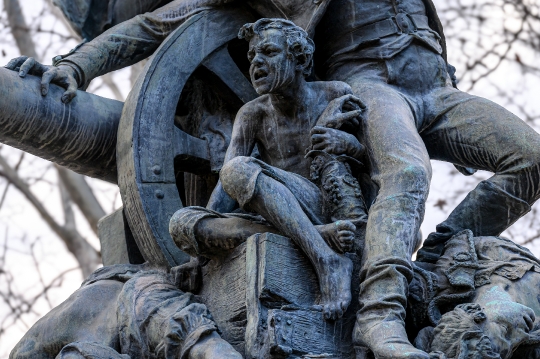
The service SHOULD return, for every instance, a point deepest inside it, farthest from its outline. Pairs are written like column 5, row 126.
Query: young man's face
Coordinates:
column 271, row 69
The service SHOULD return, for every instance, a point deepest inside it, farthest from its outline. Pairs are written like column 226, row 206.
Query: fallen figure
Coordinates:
column 126, row 311
column 480, row 300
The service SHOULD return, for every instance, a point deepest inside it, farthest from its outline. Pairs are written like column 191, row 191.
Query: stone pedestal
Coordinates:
column 263, row 297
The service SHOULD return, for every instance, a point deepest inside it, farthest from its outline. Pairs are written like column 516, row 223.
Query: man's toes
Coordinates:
column 349, row 226
column 346, row 241
column 346, row 233
column 327, row 312
column 347, row 237
column 331, row 312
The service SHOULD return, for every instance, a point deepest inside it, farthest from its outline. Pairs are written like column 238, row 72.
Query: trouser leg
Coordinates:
column 400, row 166
column 480, row 134
column 261, row 188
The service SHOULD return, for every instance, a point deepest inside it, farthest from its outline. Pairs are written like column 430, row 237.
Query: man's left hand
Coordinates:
column 62, row 75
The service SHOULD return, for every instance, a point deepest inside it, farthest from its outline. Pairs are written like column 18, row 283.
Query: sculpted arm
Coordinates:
column 242, row 144
column 133, row 40
column 328, row 134
column 122, row 45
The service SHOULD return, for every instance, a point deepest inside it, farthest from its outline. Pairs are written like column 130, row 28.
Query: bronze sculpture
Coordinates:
column 126, row 309
column 485, row 303
column 392, row 60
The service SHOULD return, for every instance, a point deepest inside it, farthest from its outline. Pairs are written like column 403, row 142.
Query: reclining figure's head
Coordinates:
column 279, row 53
column 460, row 334
column 495, row 332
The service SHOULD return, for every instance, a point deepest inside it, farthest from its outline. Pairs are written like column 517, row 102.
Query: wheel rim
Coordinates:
column 148, row 140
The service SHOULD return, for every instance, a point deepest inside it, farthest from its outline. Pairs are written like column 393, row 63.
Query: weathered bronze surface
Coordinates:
column 299, row 198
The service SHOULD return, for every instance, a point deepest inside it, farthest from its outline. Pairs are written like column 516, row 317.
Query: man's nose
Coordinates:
column 257, row 59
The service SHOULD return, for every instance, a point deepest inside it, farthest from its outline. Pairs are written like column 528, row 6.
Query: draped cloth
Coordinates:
column 155, row 319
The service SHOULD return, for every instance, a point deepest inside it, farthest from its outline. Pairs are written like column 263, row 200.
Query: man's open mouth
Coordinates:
column 259, row 74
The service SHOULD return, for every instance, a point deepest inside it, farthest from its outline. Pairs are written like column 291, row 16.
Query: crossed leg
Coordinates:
column 257, row 190
column 219, row 234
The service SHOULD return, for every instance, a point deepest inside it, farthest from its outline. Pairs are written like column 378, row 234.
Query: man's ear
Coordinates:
column 302, row 60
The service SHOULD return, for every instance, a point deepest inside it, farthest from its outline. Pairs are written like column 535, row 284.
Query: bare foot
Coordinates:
column 338, row 235
column 335, row 274
column 213, row 346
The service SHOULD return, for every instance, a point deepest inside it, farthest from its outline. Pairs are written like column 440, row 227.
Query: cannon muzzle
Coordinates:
column 80, row 135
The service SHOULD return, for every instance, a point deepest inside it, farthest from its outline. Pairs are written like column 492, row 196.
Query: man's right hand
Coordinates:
column 63, row 76
column 336, row 142
column 347, row 108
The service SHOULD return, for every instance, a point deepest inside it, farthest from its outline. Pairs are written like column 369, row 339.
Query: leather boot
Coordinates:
column 487, row 211
column 388, row 340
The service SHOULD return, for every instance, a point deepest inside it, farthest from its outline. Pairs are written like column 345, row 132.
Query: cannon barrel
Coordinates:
column 80, row 135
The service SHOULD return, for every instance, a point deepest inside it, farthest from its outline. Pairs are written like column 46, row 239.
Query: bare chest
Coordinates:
column 283, row 143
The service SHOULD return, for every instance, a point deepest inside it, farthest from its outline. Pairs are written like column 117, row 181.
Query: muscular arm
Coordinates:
column 133, row 40
column 242, row 144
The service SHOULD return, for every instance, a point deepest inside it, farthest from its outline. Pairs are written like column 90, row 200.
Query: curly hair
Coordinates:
column 299, row 44
column 459, row 327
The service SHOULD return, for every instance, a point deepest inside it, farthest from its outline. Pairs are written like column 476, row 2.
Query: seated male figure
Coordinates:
column 280, row 123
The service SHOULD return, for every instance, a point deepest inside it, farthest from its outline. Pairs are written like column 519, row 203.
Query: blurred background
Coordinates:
column 48, row 215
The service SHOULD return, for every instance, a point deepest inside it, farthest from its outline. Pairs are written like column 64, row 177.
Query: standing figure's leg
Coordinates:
column 243, row 179
column 475, row 132
column 400, row 166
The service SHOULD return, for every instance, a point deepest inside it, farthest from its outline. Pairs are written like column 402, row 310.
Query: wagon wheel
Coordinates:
column 148, row 140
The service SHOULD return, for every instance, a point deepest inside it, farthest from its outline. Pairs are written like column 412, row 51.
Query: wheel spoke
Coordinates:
column 190, row 153
column 222, row 65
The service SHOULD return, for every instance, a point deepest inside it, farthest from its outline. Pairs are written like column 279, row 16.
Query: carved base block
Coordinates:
column 261, row 297
column 224, row 293
column 304, row 332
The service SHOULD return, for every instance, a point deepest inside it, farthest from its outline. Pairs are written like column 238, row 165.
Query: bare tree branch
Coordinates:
column 21, row 303
column 80, row 192
column 19, row 29
column 7, row 184
column 58, row 15
column 85, row 254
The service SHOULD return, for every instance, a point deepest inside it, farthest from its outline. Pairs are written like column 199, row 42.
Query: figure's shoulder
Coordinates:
column 255, row 108
column 331, row 89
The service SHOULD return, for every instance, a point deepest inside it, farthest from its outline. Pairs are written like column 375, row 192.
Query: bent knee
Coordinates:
column 237, row 169
column 238, row 173
column 418, row 175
